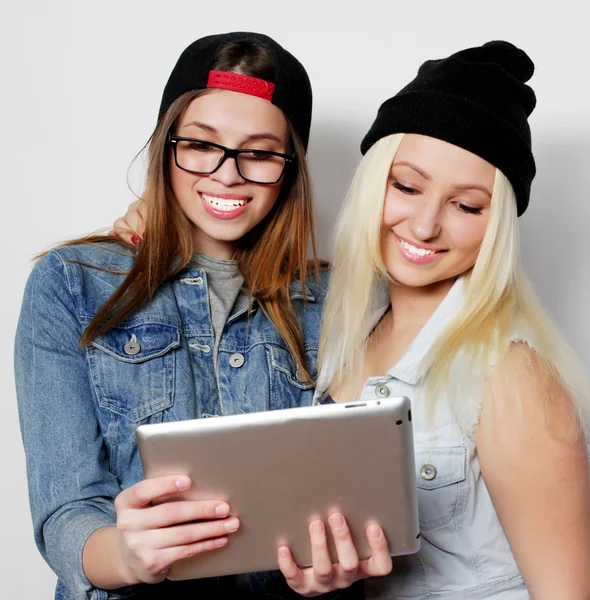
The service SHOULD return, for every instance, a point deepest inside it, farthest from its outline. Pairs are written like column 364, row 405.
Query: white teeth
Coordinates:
column 417, row 251
column 223, row 204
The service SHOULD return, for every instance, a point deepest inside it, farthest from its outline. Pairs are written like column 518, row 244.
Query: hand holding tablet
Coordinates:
column 281, row 471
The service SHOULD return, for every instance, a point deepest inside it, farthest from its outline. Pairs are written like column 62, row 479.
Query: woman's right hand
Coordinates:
column 154, row 536
column 131, row 227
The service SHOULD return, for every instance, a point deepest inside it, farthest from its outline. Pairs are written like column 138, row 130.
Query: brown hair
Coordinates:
column 269, row 257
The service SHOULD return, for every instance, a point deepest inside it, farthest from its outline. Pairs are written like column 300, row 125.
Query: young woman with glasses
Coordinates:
column 216, row 311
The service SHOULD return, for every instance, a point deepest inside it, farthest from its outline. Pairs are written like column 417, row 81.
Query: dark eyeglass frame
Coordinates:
column 229, row 153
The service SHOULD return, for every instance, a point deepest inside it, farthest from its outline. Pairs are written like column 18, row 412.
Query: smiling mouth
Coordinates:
column 419, row 251
column 225, row 204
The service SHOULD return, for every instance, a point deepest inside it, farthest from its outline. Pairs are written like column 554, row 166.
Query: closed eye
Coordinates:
column 472, row 210
column 259, row 155
column 199, row 146
column 405, row 190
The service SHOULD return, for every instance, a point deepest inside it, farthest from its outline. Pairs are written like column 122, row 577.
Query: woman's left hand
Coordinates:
column 324, row 576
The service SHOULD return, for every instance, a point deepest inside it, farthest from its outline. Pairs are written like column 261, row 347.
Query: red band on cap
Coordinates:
column 241, row 83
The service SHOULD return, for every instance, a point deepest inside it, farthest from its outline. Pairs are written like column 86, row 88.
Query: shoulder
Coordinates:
column 525, row 371
column 525, row 396
column 100, row 255
column 87, row 274
column 317, row 286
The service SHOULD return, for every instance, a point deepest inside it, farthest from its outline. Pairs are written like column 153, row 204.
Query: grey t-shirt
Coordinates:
column 226, row 297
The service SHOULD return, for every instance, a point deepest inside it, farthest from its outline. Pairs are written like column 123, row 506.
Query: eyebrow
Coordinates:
column 252, row 137
column 462, row 187
column 414, row 167
column 469, row 186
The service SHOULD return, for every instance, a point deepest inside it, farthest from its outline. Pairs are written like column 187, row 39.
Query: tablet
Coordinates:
column 279, row 470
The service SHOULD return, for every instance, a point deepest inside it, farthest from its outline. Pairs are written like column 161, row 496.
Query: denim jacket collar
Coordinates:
column 295, row 289
column 407, row 368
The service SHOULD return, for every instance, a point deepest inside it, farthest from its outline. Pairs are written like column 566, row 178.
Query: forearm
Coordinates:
column 103, row 560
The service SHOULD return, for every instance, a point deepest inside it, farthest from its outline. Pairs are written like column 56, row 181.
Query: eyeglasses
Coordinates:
column 204, row 158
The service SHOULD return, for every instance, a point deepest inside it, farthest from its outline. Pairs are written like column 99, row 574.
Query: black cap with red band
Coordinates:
column 290, row 91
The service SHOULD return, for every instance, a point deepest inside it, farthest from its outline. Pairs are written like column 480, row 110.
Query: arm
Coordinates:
column 70, row 487
column 535, row 464
column 91, row 533
column 148, row 538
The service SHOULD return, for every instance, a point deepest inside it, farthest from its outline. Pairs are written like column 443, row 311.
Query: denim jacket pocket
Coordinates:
column 439, row 476
column 133, row 369
column 288, row 387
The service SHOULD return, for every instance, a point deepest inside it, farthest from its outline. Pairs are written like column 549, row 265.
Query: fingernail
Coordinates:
column 221, row 542
column 143, row 235
column 222, row 510
column 183, row 483
column 316, row 528
column 375, row 532
column 337, row 521
column 134, row 239
column 283, row 553
column 231, row 525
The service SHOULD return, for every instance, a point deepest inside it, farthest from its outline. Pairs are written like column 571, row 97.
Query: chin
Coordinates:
column 226, row 234
column 413, row 278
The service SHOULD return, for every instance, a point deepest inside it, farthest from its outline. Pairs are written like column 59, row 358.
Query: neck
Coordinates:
column 209, row 246
column 417, row 304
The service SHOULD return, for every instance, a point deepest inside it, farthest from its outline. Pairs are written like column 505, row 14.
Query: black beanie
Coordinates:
column 292, row 88
column 476, row 99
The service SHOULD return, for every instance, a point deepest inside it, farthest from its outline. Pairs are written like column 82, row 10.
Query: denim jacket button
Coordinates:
column 132, row 347
column 382, row 391
column 428, row 472
column 236, row 360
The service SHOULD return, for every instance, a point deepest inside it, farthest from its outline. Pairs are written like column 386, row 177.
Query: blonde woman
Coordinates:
column 441, row 312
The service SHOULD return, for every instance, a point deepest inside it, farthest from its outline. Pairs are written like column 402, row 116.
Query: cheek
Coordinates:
column 182, row 184
column 467, row 234
column 267, row 196
column 395, row 210
column 179, row 180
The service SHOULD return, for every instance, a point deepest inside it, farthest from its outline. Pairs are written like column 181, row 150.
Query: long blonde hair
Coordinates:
column 500, row 306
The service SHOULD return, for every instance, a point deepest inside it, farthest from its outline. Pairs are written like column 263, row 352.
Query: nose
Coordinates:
column 425, row 222
column 228, row 173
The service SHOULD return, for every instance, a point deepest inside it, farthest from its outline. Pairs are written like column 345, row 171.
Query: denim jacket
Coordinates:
column 79, row 407
column 464, row 551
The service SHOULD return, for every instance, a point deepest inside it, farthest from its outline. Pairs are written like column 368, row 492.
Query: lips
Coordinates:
column 417, row 254
column 226, row 202
column 225, row 206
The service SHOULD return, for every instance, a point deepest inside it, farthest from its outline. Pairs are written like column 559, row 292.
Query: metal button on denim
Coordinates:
column 236, row 360
column 381, row 391
column 132, row 347
column 428, row 472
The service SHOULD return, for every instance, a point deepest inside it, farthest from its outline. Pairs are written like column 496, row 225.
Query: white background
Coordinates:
column 80, row 89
